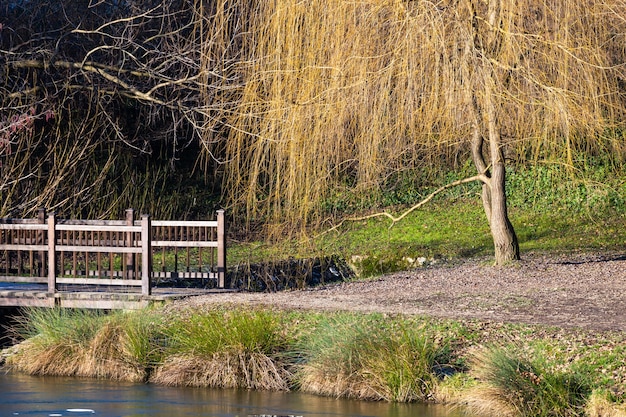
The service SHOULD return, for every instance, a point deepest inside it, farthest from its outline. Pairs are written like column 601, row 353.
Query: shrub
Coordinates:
column 369, row 357
column 513, row 386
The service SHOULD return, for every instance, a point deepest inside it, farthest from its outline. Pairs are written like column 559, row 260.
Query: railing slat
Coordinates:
column 98, row 249
column 183, row 244
column 23, row 280
column 98, row 228
column 32, row 226
column 194, row 223
column 23, row 247
column 146, row 255
column 100, row 281
column 51, row 254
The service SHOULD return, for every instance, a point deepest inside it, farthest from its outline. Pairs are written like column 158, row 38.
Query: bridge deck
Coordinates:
column 32, row 295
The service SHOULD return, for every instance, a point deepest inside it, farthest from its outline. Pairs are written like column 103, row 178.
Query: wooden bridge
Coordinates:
column 108, row 264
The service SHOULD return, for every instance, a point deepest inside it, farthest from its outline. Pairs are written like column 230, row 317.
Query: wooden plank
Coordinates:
column 77, row 222
column 30, row 226
column 98, row 249
column 104, row 304
column 52, row 275
column 47, row 302
column 146, row 255
column 183, row 244
column 17, row 247
column 23, row 279
column 221, row 249
column 192, row 223
column 98, row 228
column 100, row 281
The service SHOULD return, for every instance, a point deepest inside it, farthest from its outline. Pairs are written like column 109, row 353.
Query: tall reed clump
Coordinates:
column 87, row 343
column 510, row 385
column 225, row 348
column 368, row 357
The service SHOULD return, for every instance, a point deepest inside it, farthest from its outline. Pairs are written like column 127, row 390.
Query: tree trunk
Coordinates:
column 494, row 191
column 504, row 238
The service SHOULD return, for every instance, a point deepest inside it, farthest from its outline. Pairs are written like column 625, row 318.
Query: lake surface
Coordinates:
column 22, row 395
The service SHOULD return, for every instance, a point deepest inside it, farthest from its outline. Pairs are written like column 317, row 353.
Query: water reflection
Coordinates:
column 50, row 397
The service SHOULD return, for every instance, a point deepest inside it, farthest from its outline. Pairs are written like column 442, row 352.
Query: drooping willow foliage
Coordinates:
column 344, row 94
column 282, row 103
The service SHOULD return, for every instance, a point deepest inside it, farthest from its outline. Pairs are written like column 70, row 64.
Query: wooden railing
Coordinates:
column 127, row 253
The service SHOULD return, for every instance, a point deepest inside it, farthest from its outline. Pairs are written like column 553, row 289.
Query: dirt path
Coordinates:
column 582, row 291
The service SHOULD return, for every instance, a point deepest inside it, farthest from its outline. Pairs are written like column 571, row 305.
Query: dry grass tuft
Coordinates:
column 36, row 358
column 111, row 358
column 509, row 384
column 102, row 357
column 487, row 401
column 599, row 405
column 366, row 358
column 85, row 344
column 223, row 370
column 318, row 380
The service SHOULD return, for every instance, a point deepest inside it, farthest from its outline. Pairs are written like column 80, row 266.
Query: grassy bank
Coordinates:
column 552, row 208
column 495, row 369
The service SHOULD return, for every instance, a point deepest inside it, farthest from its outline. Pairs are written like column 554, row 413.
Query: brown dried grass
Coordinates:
column 223, row 370
column 599, row 405
column 320, row 381
column 103, row 357
column 487, row 401
column 111, row 357
column 36, row 358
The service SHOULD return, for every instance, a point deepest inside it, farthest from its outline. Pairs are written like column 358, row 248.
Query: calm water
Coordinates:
column 54, row 397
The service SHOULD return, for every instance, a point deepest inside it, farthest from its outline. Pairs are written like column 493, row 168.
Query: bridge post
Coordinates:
column 221, row 249
column 146, row 255
column 52, row 273
column 41, row 219
column 129, row 272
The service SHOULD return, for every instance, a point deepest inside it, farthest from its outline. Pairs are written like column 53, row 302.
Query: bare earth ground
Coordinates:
column 585, row 291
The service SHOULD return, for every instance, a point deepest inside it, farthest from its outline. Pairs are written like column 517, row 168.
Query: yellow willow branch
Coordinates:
column 480, row 177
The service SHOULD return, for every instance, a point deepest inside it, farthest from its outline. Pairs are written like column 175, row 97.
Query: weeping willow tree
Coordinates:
column 291, row 101
column 335, row 92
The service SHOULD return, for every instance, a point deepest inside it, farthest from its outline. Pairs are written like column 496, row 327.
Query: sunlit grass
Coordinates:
column 442, row 232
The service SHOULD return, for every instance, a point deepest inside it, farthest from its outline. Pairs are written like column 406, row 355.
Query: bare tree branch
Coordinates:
column 480, row 177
